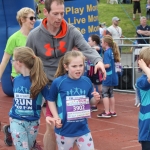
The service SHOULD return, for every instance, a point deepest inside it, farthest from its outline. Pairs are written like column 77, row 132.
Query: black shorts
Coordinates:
column 145, row 145
column 94, row 78
column 136, row 6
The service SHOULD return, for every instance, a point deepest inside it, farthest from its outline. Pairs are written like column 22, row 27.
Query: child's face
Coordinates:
column 103, row 44
column 16, row 65
column 91, row 42
column 75, row 68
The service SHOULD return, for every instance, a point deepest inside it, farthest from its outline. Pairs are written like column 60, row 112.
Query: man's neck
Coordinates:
column 115, row 26
column 52, row 30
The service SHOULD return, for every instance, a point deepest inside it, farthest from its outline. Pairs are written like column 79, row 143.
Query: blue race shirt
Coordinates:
column 62, row 87
column 25, row 108
column 112, row 77
column 143, row 89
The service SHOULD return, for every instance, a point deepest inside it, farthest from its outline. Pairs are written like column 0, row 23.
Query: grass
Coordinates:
column 123, row 11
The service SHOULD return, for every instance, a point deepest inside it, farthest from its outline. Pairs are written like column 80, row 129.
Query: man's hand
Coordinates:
column 100, row 66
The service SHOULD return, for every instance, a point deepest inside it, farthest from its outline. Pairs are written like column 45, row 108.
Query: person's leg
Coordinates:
column 112, row 102
column 139, row 9
column 145, row 145
column 20, row 135
column 65, row 143
column 105, row 95
column 49, row 139
column 32, row 128
column 85, row 142
column 134, row 10
column 7, row 135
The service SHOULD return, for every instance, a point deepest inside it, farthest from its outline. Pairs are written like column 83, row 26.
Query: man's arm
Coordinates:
column 88, row 52
column 146, row 33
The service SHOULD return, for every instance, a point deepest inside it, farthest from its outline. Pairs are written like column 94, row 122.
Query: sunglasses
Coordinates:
column 12, row 60
column 31, row 18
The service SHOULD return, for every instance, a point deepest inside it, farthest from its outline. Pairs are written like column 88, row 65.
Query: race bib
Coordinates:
column 77, row 107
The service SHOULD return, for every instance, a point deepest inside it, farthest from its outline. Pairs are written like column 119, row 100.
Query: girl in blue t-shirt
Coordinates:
column 111, row 55
column 70, row 97
column 28, row 87
column 96, row 79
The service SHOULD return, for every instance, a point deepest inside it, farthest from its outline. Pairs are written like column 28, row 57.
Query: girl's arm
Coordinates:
column 53, row 109
column 97, row 48
column 96, row 97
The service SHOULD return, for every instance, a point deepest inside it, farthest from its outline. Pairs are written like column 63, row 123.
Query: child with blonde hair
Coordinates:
column 28, row 87
column 143, row 90
column 71, row 95
column 111, row 55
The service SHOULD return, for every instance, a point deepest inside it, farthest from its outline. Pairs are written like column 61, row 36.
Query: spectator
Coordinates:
column 101, row 29
column 116, row 31
column 136, row 6
column 143, row 30
column 50, row 41
column 26, row 19
column 148, row 10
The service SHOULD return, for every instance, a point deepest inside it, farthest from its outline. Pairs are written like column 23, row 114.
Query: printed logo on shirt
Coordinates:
column 23, row 102
column 49, row 49
column 76, row 91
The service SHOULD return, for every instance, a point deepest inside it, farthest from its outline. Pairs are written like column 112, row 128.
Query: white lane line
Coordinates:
column 125, row 106
column 103, row 130
column 114, row 123
column 130, row 146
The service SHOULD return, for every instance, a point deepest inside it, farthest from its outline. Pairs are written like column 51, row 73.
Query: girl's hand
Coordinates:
column 50, row 120
column 96, row 95
column 58, row 123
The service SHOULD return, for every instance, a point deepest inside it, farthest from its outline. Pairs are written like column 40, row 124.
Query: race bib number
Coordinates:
column 77, row 107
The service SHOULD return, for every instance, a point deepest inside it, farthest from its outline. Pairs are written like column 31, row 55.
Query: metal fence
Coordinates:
column 130, row 69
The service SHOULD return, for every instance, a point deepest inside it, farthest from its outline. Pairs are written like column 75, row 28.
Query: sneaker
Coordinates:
column 138, row 105
column 113, row 114
column 7, row 139
column 94, row 108
column 104, row 115
column 37, row 146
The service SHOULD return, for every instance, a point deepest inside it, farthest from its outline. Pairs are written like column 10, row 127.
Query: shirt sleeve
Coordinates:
column 53, row 91
column 10, row 46
column 143, row 84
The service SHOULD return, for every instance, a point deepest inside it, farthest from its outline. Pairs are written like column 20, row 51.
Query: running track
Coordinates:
column 117, row 133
